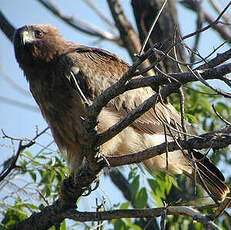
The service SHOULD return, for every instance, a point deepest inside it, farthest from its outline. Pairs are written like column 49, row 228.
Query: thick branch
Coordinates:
column 140, row 213
column 122, row 184
column 127, row 120
column 217, row 139
column 127, row 32
column 60, row 214
column 220, row 58
column 6, row 27
column 117, row 88
column 182, row 78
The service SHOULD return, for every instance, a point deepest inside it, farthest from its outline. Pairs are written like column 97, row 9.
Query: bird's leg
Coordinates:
column 88, row 168
column 85, row 172
column 67, row 193
column 92, row 161
column 71, row 186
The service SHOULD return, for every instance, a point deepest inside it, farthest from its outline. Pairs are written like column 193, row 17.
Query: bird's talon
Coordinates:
column 96, row 186
column 89, row 189
column 69, row 185
column 88, row 193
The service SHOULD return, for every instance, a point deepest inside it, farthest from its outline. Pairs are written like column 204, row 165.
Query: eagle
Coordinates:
column 50, row 63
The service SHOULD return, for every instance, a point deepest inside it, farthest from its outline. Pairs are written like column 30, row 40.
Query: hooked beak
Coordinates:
column 26, row 36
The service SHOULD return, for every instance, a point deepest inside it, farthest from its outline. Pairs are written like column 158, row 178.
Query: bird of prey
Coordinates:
column 50, row 62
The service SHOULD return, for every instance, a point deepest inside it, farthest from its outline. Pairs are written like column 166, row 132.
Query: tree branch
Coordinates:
column 165, row 91
column 220, row 58
column 21, row 147
column 180, row 78
column 121, row 183
column 79, row 24
column 114, row 90
column 220, row 29
column 127, row 32
column 117, row 88
column 6, row 27
column 217, row 139
column 140, row 213
column 65, row 206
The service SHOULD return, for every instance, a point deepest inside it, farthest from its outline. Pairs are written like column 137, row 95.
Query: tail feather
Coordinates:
column 210, row 177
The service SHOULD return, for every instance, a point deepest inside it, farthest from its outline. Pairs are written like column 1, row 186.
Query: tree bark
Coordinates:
column 165, row 30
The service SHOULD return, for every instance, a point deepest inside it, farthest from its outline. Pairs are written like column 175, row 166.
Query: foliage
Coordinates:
column 43, row 173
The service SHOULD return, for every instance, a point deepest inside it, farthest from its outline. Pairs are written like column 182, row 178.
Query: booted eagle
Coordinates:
column 50, row 63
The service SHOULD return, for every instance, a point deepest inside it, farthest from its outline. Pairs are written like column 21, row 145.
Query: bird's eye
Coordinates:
column 38, row 33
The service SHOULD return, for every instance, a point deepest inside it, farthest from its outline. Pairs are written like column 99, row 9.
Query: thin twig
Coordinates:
column 200, row 78
column 213, row 23
column 163, row 220
column 152, row 27
column 99, row 13
column 81, row 94
column 199, row 22
column 127, row 33
column 222, row 118
column 216, row 7
column 181, row 78
column 220, row 58
column 77, row 23
column 12, row 166
column 21, row 147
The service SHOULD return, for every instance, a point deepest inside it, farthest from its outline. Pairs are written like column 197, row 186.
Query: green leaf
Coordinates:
column 13, row 216
column 63, row 225
column 47, row 191
column 119, row 225
column 31, row 206
column 220, row 107
column 134, row 186
column 41, row 157
column 168, row 184
column 191, row 118
column 141, row 198
column 157, row 192
column 29, row 155
column 132, row 173
column 174, row 181
column 33, row 175
column 153, row 184
column 134, row 227
column 35, row 163
column 125, row 205
column 198, row 226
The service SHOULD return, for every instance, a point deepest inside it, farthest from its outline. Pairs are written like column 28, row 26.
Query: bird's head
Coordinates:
column 37, row 44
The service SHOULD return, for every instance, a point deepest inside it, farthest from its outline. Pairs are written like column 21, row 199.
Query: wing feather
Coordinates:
column 99, row 69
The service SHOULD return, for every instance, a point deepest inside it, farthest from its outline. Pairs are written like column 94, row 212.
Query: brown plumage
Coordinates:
column 49, row 62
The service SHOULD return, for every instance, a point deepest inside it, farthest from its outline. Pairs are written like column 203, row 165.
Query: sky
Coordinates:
column 22, row 123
